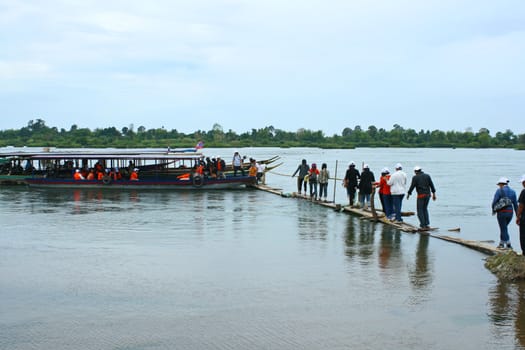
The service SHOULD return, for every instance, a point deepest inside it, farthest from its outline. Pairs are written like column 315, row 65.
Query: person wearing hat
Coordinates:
column 350, row 182
column 78, row 175
column 504, row 215
column 384, row 192
column 397, row 183
column 425, row 189
column 520, row 215
column 365, row 186
column 237, row 164
column 134, row 176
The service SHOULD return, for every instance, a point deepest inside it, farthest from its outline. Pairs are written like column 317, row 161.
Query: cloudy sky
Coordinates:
column 320, row 65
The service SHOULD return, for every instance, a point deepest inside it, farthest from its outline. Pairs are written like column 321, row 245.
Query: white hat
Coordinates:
column 136, row 169
column 417, row 168
column 351, row 163
column 366, row 166
column 77, row 171
column 503, row 180
column 385, row 171
column 399, row 166
column 522, row 178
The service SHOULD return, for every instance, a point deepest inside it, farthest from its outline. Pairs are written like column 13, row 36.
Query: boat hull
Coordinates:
column 238, row 182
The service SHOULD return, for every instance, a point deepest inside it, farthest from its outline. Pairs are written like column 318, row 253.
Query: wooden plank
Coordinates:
column 481, row 246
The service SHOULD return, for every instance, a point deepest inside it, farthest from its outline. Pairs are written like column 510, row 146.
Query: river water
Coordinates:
column 252, row 270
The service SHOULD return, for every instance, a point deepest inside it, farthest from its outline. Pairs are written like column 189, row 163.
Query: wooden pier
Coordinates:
column 485, row 247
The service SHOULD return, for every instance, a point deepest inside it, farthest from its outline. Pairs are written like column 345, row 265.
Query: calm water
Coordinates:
column 251, row 270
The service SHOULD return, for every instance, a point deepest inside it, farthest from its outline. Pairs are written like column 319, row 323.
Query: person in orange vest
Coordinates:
column 134, row 175
column 100, row 175
column 117, row 175
column 78, row 175
column 221, row 167
column 252, row 171
column 91, row 175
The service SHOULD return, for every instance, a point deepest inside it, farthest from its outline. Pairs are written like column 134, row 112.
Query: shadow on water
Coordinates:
column 507, row 310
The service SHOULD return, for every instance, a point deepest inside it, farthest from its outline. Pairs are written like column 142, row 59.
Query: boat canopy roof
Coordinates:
column 153, row 154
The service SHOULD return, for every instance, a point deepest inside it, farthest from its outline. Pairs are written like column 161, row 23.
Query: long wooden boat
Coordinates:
column 160, row 166
column 164, row 171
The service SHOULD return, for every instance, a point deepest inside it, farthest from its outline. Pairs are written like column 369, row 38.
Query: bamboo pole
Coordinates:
column 335, row 179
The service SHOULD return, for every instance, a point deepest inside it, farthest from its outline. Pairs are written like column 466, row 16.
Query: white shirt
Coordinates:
column 398, row 182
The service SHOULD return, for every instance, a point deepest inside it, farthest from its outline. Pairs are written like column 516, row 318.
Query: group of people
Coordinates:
column 313, row 178
column 105, row 175
column 504, row 205
column 391, row 187
column 216, row 167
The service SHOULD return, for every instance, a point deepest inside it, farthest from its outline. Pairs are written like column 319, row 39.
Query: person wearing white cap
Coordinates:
column 425, row 189
column 384, row 192
column 134, row 176
column 365, row 186
column 504, row 212
column 350, row 182
column 520, row 215
column 397, row 183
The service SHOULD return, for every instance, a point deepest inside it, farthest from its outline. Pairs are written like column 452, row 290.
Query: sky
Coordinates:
column 242, row 65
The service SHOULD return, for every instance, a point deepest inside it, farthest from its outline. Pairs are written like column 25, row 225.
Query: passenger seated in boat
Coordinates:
column 134, row 175
column 252, row 171
column 78, row 175
column 221, row 167
column 91, row 175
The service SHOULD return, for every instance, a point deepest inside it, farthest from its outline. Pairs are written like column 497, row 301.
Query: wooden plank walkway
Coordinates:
column 486, row 247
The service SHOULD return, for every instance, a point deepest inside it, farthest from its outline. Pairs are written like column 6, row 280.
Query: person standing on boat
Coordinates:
column 365, row 186
column 324, row 175
column 237, row 164
column 504, row 215
column 350, row 181
column 520, row 215
column 397, row 183
column 260, row 172
column 303, row 170
column 425, row 189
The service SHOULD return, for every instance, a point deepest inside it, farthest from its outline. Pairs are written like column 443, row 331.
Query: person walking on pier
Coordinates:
column 397, row 183
column 384, row 192
column 365, row 186
column 324, row 175
column 313, row 177
column 520, row 215
column 504, row 213
column 302, row 169
column 351, row 179
column 425, row 189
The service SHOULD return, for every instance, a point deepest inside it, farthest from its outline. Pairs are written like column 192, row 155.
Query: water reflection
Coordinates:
column 420, row 273
column 359, row 239
column 311, row 221
column 507, row 310
column 389, row 247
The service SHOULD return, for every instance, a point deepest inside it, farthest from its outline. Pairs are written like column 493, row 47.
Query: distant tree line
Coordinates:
column 38, row 134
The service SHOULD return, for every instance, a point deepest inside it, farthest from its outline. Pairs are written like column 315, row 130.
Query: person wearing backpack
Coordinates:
column 504, row 213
